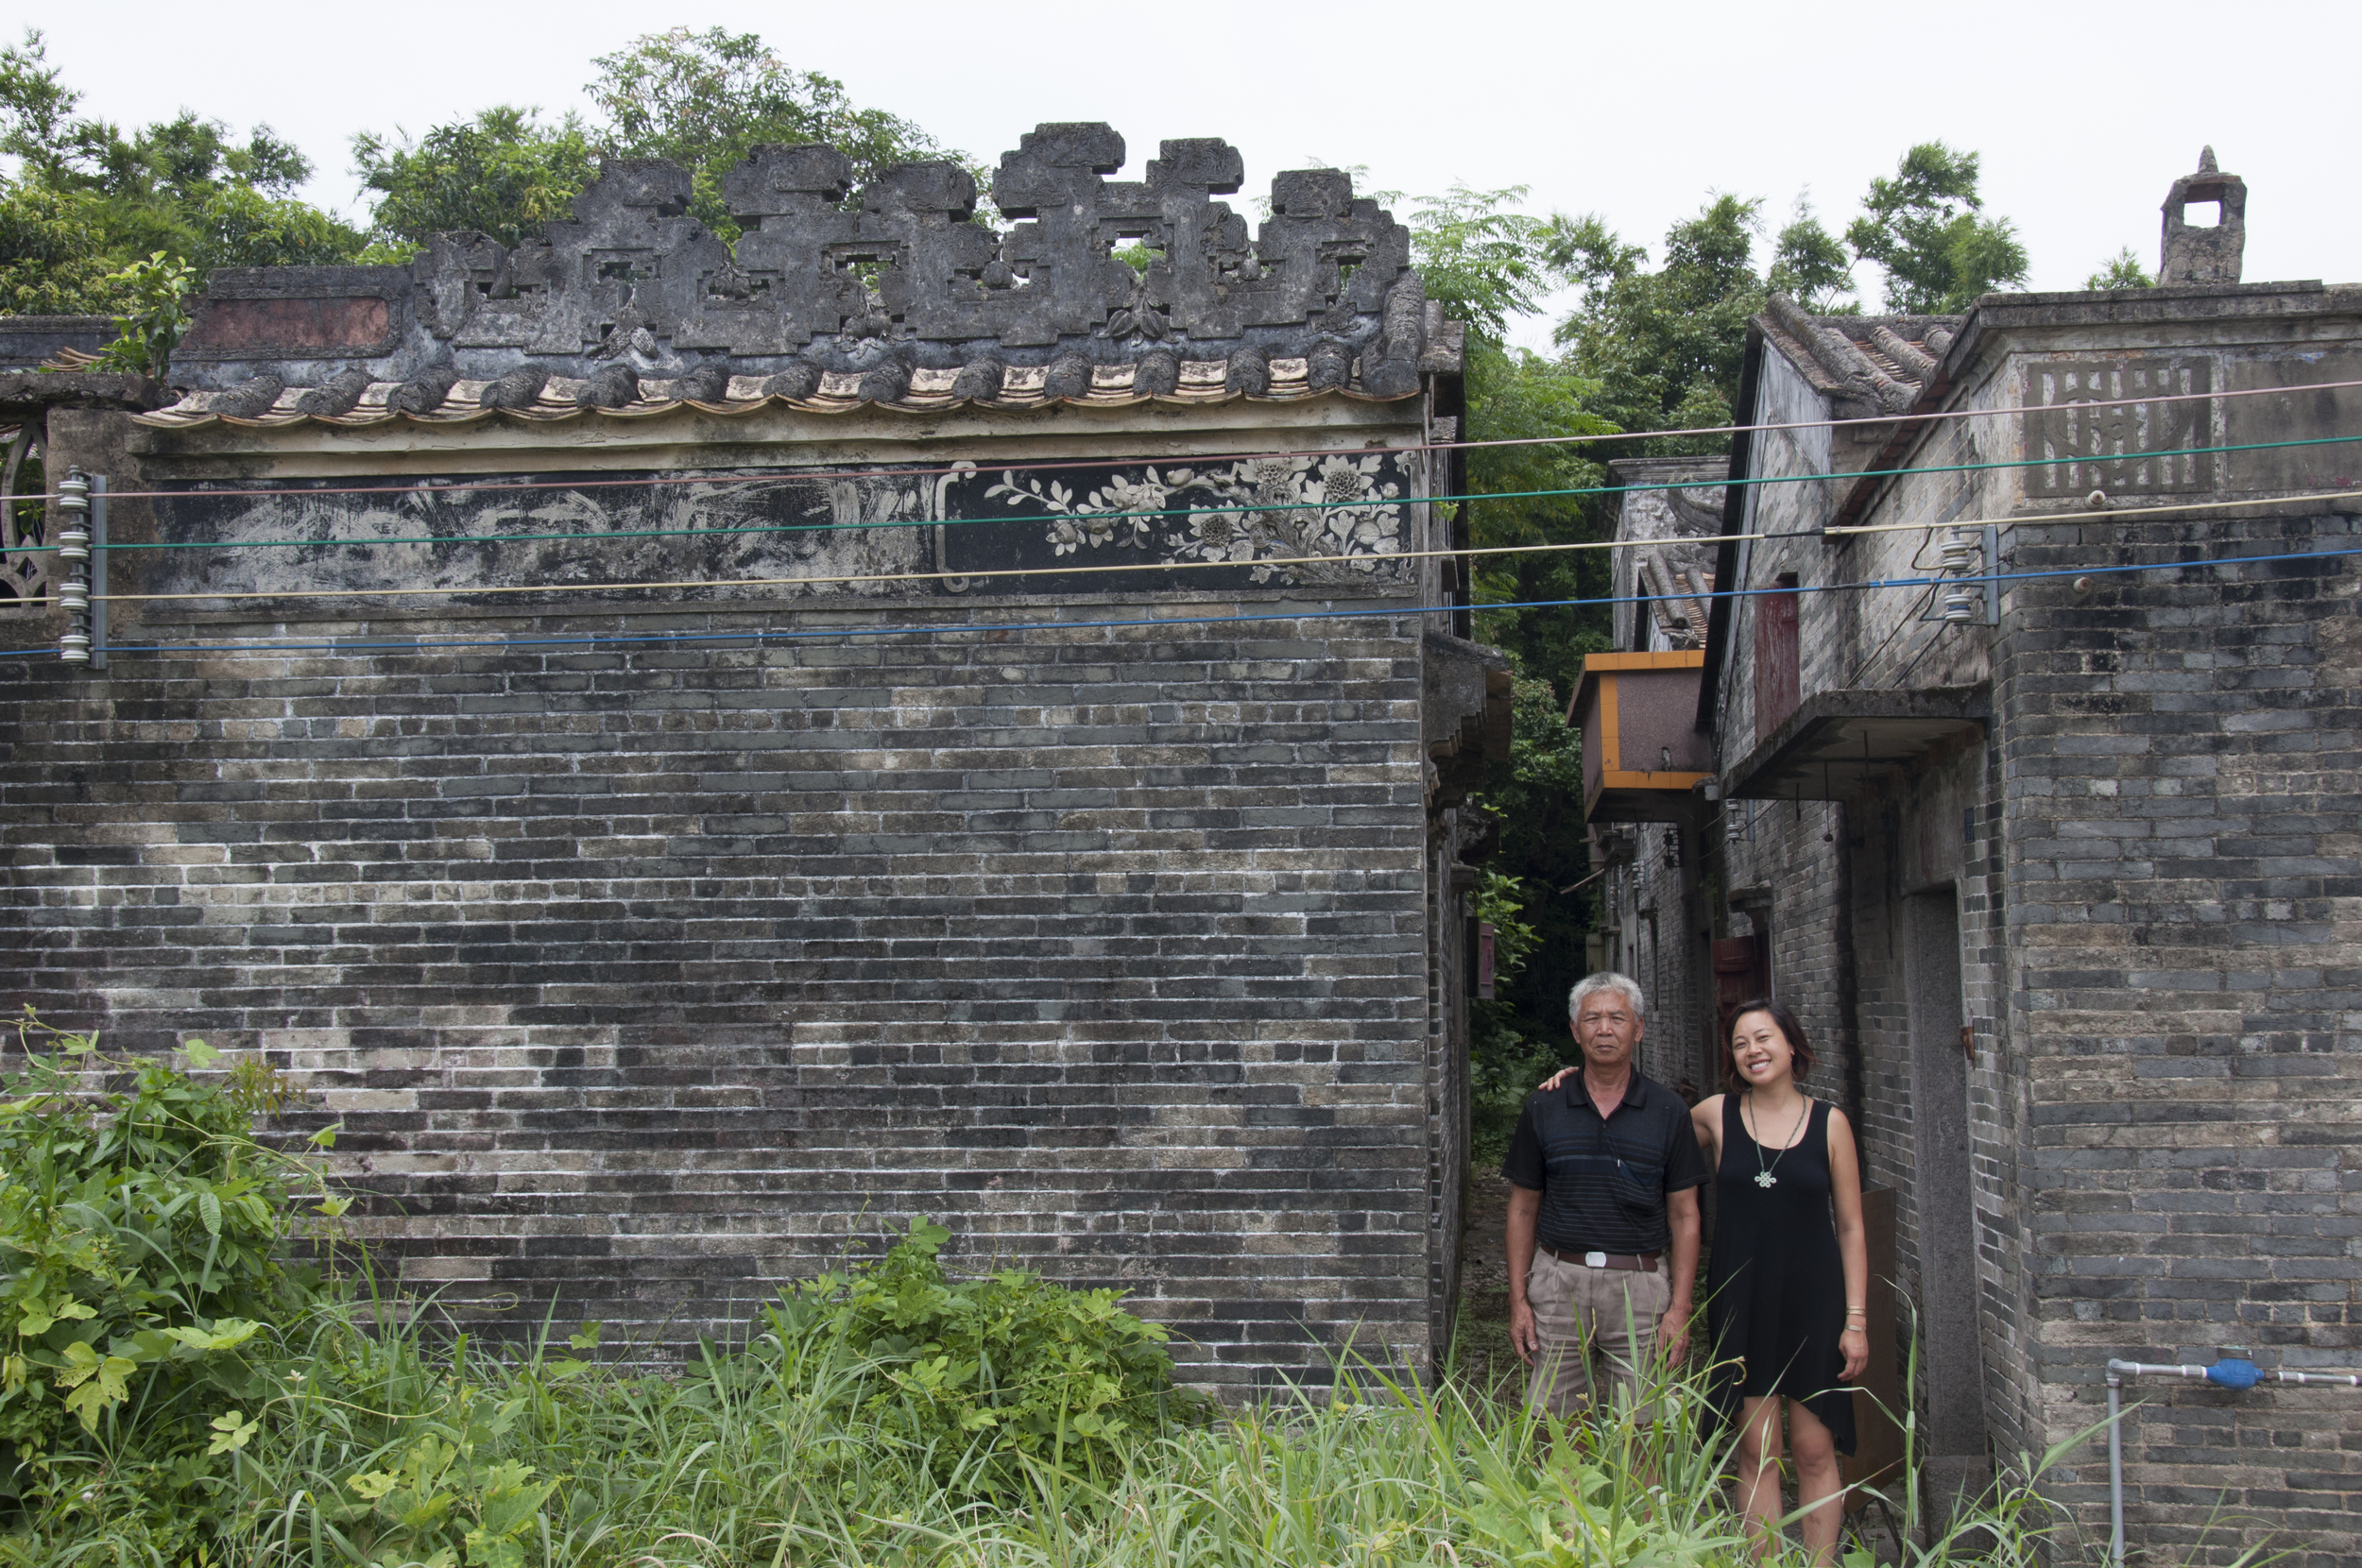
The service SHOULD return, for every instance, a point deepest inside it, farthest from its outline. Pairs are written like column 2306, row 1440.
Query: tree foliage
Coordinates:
column 154, row 315
column 1485, row 264
column 2124, row 270
column 90, row 202
column 503, row 173
column 707, row 99
column 702, row 100
column 1926, row 229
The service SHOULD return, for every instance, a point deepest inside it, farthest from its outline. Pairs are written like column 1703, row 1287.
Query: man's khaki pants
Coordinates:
column 1580, row 1310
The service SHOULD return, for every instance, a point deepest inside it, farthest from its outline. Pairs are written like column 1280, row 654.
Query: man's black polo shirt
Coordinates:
column 1603, row 1186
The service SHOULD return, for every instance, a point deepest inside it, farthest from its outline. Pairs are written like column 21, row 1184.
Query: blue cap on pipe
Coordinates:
column 2234, row 1373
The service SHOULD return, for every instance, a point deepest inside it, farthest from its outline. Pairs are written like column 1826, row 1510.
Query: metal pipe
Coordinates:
column 2115, row 1467
column 2231, row 1370
column 99, row 572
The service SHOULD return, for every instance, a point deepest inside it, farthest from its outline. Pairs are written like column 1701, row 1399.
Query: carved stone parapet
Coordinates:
column 882, row 284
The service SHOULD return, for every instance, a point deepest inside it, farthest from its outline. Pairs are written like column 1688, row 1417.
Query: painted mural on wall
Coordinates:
column 1343, row 518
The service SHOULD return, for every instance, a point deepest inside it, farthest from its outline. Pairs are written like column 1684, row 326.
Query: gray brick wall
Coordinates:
column 643, row 974
column 2185, row 854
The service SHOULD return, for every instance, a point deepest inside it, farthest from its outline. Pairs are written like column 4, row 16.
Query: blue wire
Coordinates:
column 413, row 645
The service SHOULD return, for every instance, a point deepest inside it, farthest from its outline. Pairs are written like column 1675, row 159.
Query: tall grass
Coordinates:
column 887, row 1416
column 394, row 1446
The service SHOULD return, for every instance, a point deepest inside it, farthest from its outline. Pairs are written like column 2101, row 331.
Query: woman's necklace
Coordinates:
column 1763, row 1173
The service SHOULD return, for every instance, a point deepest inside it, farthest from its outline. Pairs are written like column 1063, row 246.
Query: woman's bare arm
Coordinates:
column 1705, row 1120
column 1845, row 1187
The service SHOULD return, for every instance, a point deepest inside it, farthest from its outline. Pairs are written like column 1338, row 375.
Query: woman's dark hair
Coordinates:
column 1788, row 1025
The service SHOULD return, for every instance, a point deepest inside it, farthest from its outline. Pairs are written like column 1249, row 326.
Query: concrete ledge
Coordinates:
column 1838, row 744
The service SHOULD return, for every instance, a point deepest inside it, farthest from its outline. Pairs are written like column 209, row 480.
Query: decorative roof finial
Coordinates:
column 2209, row 253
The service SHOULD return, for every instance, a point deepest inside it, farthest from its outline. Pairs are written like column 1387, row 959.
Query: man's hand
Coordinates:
column 1672, row 1332
column 1522, row 1334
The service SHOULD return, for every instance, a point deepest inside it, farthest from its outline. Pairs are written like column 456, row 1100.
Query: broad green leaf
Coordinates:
column 424, row 1512
column 487, row 1550
column 325, row 1138
column 199, row 1053
column 586, row 1337
column 232, row 1431
column 209, row 1211
column 226, row 1333
column 96, row 1383
column 373, row 1484
column 81, row 1361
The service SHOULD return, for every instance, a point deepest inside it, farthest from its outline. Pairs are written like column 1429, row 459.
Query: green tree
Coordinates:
column 1483, row 264
column 707, row 99
column 54, row 256
column 1810, row 267
column 1926, row 230
column 89, row 201
column 153, row 317
column 503, row 174
column 1665, row 346
column 2124, row 270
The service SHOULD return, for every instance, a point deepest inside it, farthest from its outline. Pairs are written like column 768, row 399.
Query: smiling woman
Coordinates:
column 1786, row 1291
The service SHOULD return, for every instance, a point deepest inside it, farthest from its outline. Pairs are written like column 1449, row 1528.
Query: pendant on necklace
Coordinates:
column 1764, row 1178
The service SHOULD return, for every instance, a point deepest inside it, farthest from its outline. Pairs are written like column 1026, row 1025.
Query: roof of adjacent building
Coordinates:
column 1869, row 365
column 832, row 298
column 1669, row 504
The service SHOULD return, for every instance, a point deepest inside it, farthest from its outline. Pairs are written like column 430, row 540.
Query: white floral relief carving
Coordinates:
column 1323, row 519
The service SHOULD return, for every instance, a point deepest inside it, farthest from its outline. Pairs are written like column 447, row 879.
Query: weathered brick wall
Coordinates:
column 641, row 978
column 643, row 974
column 2184, row 859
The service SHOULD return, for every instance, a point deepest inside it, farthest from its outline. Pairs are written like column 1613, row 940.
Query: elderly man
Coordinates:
column 1605, row 1172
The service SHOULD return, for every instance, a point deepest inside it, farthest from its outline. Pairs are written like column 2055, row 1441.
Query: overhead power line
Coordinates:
column 1929, row 418
column 1097, row 569
column 764, row 635
column 1113, row 516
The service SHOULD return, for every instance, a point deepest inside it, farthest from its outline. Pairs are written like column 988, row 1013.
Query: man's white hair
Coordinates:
column 1606, row 980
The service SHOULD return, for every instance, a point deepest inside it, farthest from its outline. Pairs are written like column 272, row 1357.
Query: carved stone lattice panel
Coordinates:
column 892, row 278
column 2131, row 447
column 25, row 567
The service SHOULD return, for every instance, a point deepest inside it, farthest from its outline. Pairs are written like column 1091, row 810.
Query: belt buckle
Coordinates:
column 1595, row 1260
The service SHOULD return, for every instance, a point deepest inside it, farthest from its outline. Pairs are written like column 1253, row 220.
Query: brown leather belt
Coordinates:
column 1645, row 1263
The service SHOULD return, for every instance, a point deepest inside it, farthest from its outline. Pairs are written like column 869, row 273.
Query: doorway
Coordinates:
column 1742, row 972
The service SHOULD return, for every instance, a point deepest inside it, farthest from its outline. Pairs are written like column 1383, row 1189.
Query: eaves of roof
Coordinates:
column 563, row 399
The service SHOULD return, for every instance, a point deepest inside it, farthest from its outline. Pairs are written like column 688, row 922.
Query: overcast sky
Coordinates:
column 2085, row 112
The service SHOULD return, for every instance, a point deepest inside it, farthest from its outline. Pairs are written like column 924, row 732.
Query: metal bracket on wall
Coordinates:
column 99, row 572
column 1969, row 600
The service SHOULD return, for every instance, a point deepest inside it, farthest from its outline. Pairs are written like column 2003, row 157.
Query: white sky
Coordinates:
column 2084, row 111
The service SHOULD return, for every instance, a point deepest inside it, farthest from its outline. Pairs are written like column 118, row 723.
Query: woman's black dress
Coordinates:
column 1776, row 1301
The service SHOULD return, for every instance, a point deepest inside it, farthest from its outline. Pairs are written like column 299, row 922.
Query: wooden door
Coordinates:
column 1777, row 677
column 1742, row 973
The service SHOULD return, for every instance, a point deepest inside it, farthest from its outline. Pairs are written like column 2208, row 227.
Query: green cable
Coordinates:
column 1181, row 511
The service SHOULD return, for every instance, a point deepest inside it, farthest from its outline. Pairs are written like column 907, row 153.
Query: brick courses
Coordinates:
column 643, row 977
